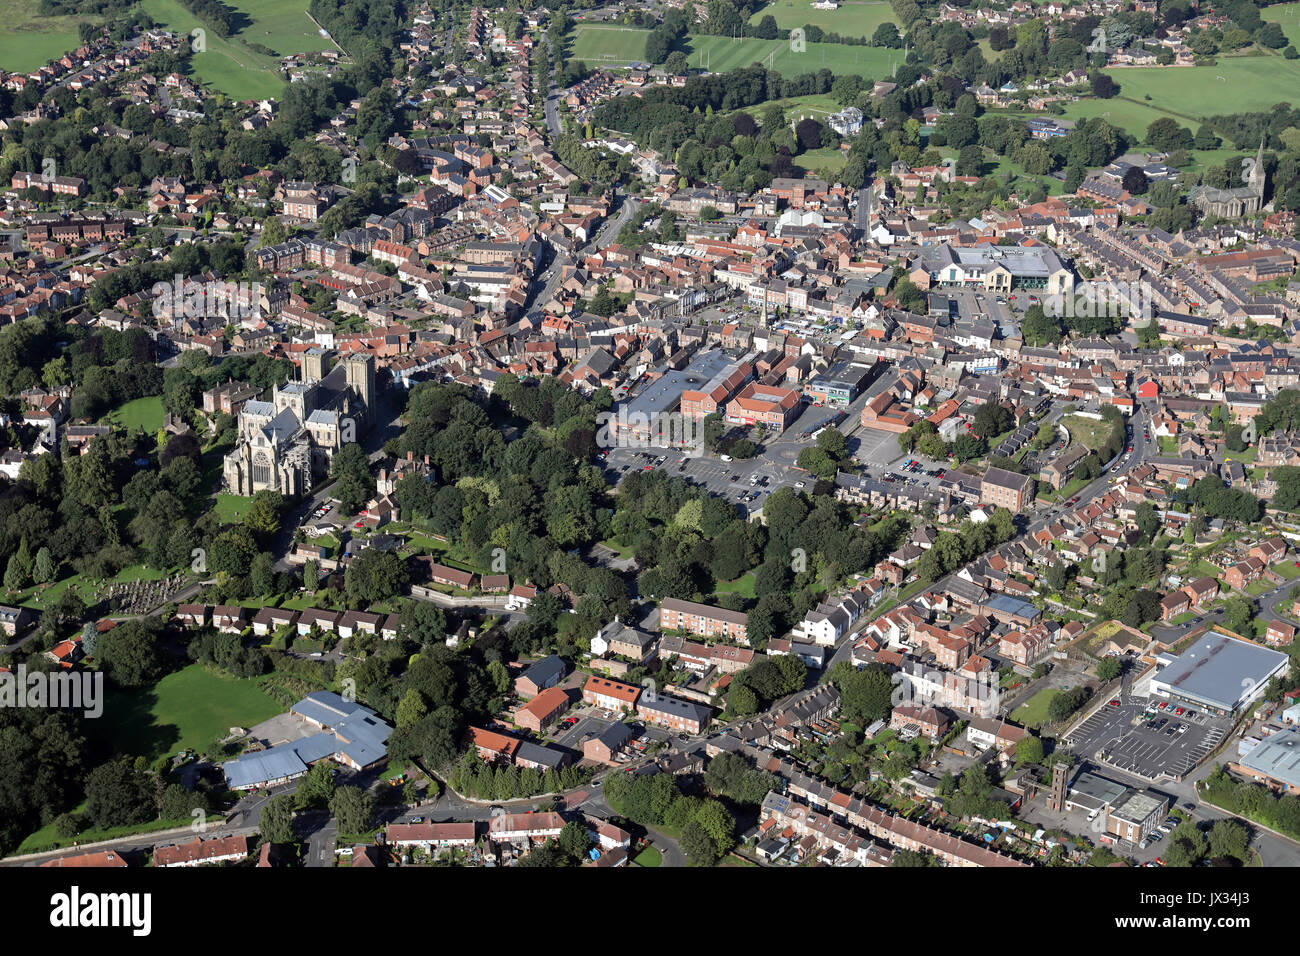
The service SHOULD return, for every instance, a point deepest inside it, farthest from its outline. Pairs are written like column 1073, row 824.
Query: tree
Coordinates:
column 263, row 515
column 1029, row 749
column 1108, row 668
column 1186, row 845
column 1103, row 87
column 1135, row 180
column 353, row 808
column 276, row 821
column 273, row 233
column 698, row 846
column 574, row 841
column 1230, row 839
column 1238, row 614
column 119, row 795
column 970, row 161
column 886, row 35
column 315, row 789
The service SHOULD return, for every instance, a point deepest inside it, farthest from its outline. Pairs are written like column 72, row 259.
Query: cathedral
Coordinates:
column 287, row 444
column 1234, row 203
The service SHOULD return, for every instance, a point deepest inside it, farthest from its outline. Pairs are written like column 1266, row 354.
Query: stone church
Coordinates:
column 1234, row 203
column 287, row 444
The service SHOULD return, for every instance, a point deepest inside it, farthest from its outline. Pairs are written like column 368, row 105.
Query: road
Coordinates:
column 552, row 92
column 605, row 236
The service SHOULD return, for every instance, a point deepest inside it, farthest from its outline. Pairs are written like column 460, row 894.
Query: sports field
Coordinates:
column 186, row 709
column 1288, row 16
column 229, row 65
column 30, row 40
column 601, row 44
column 856, row 18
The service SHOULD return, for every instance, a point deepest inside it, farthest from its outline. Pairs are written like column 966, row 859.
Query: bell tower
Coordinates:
column 360, row 372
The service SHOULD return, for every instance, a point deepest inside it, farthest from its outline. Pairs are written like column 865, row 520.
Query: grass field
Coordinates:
column 743, row 585
column 142, row 414
column 187, row 709
column 1288, row 15
column 232, row 508
column 1086, row 431
column 608, row 45
column 856, row 18
column 30, row 40
column 1034, row 711
column 1192, row 94
column 229, row 65
column 822, row 162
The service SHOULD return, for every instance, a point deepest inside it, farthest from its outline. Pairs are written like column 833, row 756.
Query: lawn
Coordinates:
column 30, row 40
column 232, row 508
column 743, row 585
column 1034, row 711
column 648, row 857
column 609, row 45
column 822, row 162
column 1286, row 570
column 1092, row 433
column 856, row 18
column 187, row 709
column 144, row 414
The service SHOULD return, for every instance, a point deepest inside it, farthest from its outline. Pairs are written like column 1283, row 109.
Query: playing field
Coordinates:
column 598, row 44
column 857, row 18
column 30, row 40
column 1288, row 15
column 187, row 709
column 228, row 64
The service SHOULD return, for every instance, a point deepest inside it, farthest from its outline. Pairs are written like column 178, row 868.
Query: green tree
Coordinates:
column 353, row 808
column 276, row 821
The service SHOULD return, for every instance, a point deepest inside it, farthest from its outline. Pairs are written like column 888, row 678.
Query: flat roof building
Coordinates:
column 1218, row 673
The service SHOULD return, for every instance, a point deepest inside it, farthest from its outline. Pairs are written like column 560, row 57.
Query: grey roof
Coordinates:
column 666, row 704
column 282, row 427
column 546, row 672
column 615, row 735
column 353, row 730
column 1009, row 605
column 1277, row 756
column 1220, row 671
column 536, row 753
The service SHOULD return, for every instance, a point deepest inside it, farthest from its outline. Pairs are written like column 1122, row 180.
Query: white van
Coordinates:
column 725, row 457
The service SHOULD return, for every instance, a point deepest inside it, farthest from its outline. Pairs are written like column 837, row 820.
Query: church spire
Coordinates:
column 1257, row 171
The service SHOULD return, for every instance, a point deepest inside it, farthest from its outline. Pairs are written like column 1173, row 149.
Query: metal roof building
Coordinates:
column 1218, row 672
